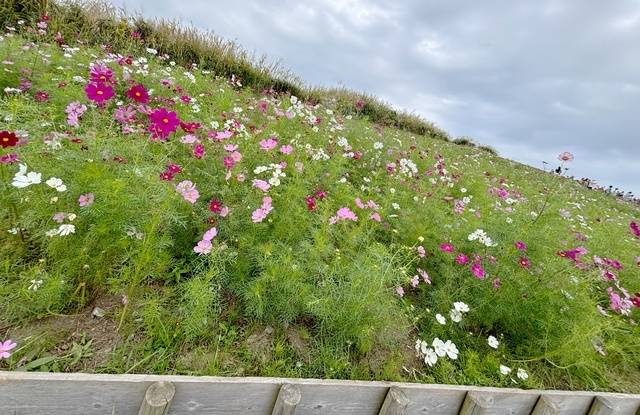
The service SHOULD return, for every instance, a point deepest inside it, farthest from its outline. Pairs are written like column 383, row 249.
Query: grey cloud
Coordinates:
column 529, row 78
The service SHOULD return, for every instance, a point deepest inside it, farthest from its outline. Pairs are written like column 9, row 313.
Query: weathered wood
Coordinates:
column 482, row 402
column 24, row 393
column 615, row 404
column 553, row 404
column 287, row 400
column 157, row 399
column 395, row 403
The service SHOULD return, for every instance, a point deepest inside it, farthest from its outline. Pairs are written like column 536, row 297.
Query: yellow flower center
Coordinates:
column 165, row 120
column 137, row 94
column 99, row 92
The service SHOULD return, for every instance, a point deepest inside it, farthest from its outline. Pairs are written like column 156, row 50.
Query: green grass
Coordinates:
column 293, row 295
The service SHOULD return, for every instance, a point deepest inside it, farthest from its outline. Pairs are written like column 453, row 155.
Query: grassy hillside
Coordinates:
column 162, row 218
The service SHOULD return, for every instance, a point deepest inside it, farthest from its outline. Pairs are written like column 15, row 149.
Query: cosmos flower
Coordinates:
column 163, row 123
column 99, row 92
column 8, row 139
column 138, row 93
column 565, row 156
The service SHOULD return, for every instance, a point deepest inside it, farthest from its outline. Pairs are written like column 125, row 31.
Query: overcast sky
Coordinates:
column 531, row 79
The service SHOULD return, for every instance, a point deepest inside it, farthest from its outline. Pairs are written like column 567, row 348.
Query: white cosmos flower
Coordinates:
column 441, row 319
column 493, row 342
column 35, row 284
column 451, row 349
column 66, row 229
column 455, row 315
column 522, row 374
column 439, row 347
column 57, row 184
column 504, row 370
column 461, row 307
column 430, row 357
column 23, row 179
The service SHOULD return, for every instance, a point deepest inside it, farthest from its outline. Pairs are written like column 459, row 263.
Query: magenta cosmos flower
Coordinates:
column 138, row 93
column 521, row 246
column 446, row 247
column 99, row 93
column 163, row 123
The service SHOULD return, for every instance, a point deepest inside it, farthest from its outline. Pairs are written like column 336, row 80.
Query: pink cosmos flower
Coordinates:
column 189, row 139
column 261, row 213
column 101, row 73
column 421, row 251
column 261, row 184
column 203, row 247
column 224, row 211
column 138, row 93
column 287, row 149
column 210, row 234
column 99, row 93
column 566, row 156
column 86, row 199
column 220, row 135
column 521, row 246
column 74, row 111
column 163, row 123
column 359, row 203
column 400, row 291
column 477, row 270
column 5, row 347
column 446, row 247
column 188, row 191
column 230, row 147
column 462, row 259
column 344, row 213
column 424, row 275
column 415, row 280
column 268, row 144
column 375, row 216
column 59, row 217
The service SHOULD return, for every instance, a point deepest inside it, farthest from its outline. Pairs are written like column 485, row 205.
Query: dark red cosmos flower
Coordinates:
column 138, row 93
column 357, row 155
column 215, row 206
column 524, row 262
column 8, row 139
column 190, row 127
column 320, row 194
column 311, row 203
column 41, row 96
column 635, row 300
column 635, row 229
column 359, row 104
column 99, row 93
column 174, row 168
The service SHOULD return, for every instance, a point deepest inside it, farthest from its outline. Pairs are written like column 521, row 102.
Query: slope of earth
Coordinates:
column 161, row 219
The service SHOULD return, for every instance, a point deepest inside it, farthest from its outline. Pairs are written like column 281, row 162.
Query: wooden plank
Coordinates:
column 23, row 393
column 395, row 403
column 157, row 399
column 482, row 402
column 612, row 404
column 435, row 400
column 288, row 399
column 553, row 404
